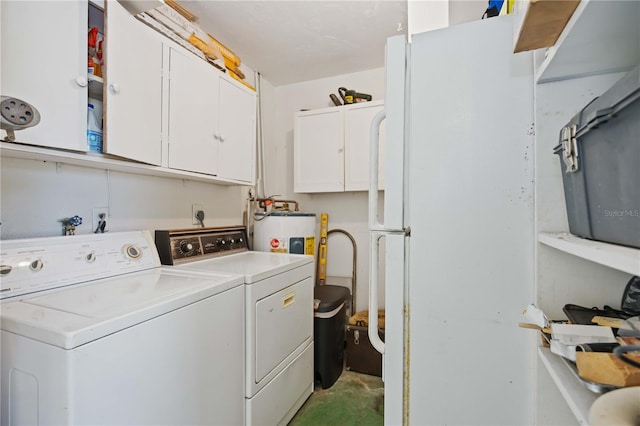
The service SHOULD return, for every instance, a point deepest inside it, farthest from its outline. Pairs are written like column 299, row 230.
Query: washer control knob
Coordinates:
column 186, row 247
column 132, row 251
column 90, row 257
column 36, row 265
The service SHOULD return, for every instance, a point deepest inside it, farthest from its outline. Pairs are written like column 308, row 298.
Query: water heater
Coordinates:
column 285, row 232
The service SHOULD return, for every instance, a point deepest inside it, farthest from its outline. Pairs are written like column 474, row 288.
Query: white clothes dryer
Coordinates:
column 278, row 314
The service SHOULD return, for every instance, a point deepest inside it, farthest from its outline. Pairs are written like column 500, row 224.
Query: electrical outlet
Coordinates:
column 99, row 213
column 194, row 209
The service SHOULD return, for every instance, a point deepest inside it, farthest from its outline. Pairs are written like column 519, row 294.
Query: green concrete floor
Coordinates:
column 355, row 399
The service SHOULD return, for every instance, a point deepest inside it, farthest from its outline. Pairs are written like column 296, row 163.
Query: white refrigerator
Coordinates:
column 455, row 235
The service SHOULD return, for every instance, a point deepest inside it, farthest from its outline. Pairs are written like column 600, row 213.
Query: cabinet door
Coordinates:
column 44, row 62
column 357, row 140
column 237, row 134
column 318, row 163
column 193, row 114
column 133, row 123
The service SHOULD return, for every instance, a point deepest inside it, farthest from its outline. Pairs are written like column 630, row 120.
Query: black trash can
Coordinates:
column 329, row 332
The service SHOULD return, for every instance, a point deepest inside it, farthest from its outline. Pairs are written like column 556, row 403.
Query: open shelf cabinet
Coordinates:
column 600, row 43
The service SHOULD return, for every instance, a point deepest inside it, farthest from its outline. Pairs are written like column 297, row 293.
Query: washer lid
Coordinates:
column 254, row 265
column 78, row 314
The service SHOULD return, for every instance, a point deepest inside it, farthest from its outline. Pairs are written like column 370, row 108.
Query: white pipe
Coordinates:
column 260, row 182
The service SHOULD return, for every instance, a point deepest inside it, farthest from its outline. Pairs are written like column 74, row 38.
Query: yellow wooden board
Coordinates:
column 322, row 251
column 543, row 23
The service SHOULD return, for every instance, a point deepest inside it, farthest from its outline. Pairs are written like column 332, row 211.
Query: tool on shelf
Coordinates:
column 342, row 91
column 350, row 96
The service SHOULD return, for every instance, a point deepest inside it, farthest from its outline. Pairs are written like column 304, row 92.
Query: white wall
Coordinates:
column 461, row 11
column 428, row 15
column 346, row 211
column 425, row 16
column 36, row 195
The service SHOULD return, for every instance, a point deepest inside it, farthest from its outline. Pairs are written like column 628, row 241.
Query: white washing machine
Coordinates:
column 96, row 331
column 278, row 309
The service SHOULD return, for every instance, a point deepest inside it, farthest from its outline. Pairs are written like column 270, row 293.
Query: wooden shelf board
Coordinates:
column 543, row 23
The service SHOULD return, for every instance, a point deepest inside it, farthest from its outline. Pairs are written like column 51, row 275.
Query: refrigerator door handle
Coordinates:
column 374, row 337
column 374, row 161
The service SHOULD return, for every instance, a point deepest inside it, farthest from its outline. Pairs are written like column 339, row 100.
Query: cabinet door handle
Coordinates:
column 221, row 138
column 114, row 88
column 82, row 81
column 216, row 136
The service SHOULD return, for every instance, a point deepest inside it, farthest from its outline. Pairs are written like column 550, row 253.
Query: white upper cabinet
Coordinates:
column 357, row 124
column 44, row 62
column 318, row 151
column 599, row 44
column 211, row 121
column 331, row 148
column 133, row 122
column 237, row 132
column 163, row 107
column 193, row 114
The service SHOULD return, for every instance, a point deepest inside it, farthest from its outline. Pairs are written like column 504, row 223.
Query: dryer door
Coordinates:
column 284, row 321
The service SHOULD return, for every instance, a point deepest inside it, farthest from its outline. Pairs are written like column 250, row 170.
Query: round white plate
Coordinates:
column 618, row 407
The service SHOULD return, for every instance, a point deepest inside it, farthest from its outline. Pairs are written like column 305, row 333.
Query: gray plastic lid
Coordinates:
column 330, row 296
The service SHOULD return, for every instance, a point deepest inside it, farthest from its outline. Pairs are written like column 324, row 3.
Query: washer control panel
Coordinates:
column 38, row 264
column 195, row 244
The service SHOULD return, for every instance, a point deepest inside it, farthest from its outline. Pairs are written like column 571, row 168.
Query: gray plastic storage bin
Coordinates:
column 599, row 154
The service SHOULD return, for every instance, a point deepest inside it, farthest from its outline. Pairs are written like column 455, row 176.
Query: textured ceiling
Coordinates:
column 293, row 41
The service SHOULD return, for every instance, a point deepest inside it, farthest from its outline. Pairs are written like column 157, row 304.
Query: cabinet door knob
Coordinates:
column 216, row 136
column 114, row 88
column 221, row 138
column 82, row 81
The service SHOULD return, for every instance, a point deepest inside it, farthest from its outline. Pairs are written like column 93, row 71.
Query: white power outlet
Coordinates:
column 99, row 213
column 194, row 209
